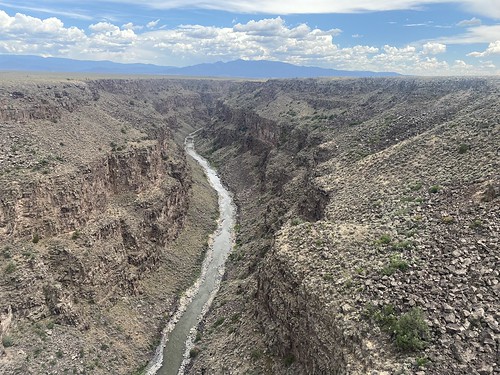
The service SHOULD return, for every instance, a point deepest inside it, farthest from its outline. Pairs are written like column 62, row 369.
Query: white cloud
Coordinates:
column 493, row 49
column 488, row 8
column 152, row 24
column 433, row 48
column 270, row 39
column 472, row 22
column 131, row 26
column 51, row 11
column 477, row 34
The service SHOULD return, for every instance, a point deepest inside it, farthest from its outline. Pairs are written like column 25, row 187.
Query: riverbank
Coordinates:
column 177, row 344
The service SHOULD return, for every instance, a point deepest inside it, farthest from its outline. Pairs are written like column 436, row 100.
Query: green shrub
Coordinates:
column 421, row 361
column 476, row 224
column 416, row 186
column 406, row 244
column 6, row 253
column 10, row 268
column 7, row 341
column 463, row 148
column 434, row 189
column 385, row 317
column 411, row 331
column 385, row 239
column 36, row 238
column 396, row 263
column 193, row 353
column 198, row 336
column 219, row 322
column 289, row 360
column 256, row 354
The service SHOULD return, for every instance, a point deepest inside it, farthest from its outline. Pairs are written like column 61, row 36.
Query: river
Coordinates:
column 173, row 354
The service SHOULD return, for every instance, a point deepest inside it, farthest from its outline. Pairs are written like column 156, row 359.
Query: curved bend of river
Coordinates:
column 172, row 355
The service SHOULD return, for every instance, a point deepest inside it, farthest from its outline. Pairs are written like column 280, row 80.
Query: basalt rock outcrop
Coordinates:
column 94, row 190
column 369, row 231
column 368, row 223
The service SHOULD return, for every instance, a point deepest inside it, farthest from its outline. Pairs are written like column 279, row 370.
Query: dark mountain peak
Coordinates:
column 236, row 68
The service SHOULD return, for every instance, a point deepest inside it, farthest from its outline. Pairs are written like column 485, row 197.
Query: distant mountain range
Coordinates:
column 236, row 69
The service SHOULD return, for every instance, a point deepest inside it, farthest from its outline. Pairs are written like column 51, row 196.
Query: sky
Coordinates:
column 433, row 37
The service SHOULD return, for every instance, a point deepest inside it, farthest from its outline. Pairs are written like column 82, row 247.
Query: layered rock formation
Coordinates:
column 94, row 192
column 378, row 227
column 367, row 238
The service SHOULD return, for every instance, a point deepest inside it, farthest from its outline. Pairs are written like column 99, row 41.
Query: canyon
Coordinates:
column 367, row 236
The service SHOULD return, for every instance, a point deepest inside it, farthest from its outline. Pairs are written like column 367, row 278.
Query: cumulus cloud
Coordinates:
column 268, row 38
column 433, row 48
column 472, row 22
column 493, row 49
column 131, row 26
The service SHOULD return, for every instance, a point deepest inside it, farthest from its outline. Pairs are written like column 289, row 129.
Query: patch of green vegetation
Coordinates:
column 6, row 252
column 140, row 371
column 416, row 186
column 296, row 221
column 434, row 189
column 360, row 270
column 7, row 341
column 328, row 277
column 28, row 253
column 36, row 238
column 463, row 148
column 59, row 354
column 198, row 337
column 289, row 360
column 385, row 239
column 256, row 354
column 421, row 361
column 76, row 235
column 40, row 331
column 219, row 322
column 37, row 352
column 10, row 268
column 235, row 318
column 402, row 245
column 409, row 331
column 193, row 353
column 235, row 255
column 396, row 263
column 447, row 219
column 477, row 224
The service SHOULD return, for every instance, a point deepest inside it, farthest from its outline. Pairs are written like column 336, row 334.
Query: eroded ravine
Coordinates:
column 174, row 351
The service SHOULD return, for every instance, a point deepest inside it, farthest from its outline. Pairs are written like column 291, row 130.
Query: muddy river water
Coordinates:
column 174, row 351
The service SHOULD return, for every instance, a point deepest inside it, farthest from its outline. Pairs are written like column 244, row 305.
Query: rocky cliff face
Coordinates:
column 367, row 238
column 367, row 243
column 94, row 191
